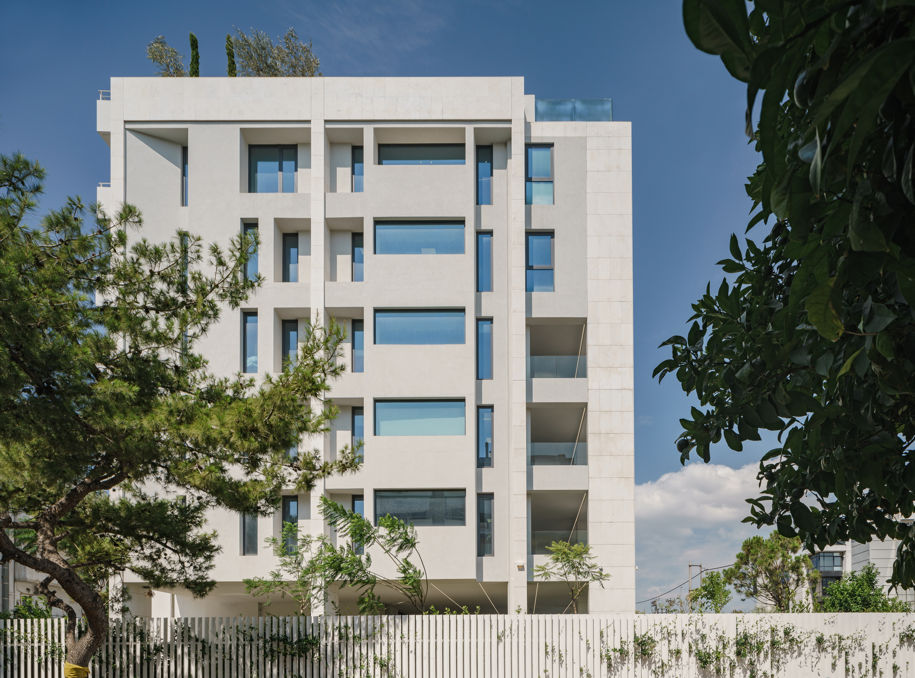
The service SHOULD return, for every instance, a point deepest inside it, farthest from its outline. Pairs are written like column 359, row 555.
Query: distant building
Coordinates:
column 835, row 561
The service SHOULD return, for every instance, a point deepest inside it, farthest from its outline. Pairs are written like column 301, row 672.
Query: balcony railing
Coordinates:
column 558, row 367
column 565, row 110
column 104, row 95
column 540, row 539
column 558, row 454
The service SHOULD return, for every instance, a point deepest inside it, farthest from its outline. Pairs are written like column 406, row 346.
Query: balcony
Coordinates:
column 558, row 435
column 558, row 454
column 557, row 516
column 558, row 367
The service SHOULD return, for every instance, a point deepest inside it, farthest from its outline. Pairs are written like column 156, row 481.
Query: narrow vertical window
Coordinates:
column 358, row 427
column 484, row 348
column 249, row 534
column 539, row 175
column 358, row 258
column 358, row 169
column 539, row 255
column 184, row 176
column 250, row 230
column 289, row 535
column 358, row 346
column 359, row 509
column 290, row 349
column 484, row 262
column 290, row 257
column 288, row 168
column 249, row 342
column 484, row 525
column 484, row 175
column 484, row 436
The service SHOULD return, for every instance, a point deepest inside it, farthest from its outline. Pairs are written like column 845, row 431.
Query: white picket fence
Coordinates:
column 630, row 646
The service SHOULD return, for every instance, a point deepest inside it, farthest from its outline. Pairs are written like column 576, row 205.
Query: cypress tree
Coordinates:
column 195, row 58
column 230, row 56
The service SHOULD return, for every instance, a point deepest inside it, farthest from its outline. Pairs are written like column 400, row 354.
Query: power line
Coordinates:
column 661, row 595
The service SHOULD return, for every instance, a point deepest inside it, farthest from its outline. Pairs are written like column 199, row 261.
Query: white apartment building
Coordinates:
column 477, row 246
column 834, row 562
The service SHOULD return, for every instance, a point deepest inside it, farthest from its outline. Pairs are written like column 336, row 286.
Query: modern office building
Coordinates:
column 476, row 244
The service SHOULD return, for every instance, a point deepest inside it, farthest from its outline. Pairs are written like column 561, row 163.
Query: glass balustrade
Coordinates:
column 558, row 454
column 558, row 367
column 540, row 539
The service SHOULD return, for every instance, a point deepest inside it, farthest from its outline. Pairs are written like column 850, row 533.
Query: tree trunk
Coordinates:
column 81, row 650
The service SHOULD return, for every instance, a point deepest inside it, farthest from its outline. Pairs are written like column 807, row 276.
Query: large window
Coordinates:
column 422, row 507
column 538, row 188
column 290, row 517
column 184, row 176
column 249, row 341
column 358, row 169
column 290, row 257
column 419, row 417
column 484, row 525
column 271, row 169
column 290, row 348
column 249, row 534
column 484, row 436
column 420, row 154
column 419, row 326
column 484, row 262
column 358, row 346
column 484, row 348
column 484, row 175
column 358, row 429
column 540, row 262
column 249, row 228
column 413, row 237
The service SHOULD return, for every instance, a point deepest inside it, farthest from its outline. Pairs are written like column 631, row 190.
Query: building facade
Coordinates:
column 476, row 245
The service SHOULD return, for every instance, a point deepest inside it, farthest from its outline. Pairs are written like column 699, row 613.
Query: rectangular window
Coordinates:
column 358, row 429
column 419, row 417
column 250, row 230
column 442, row 237
column 358, row 169
column 484, row 348
column 249, row 534
column 484, row 525
column 358, row 258
column 484, row 436
column 184, row 176
column 539, row 175
column 484, row 175
column 540, row 262
column 249, row 342
column 420, row 154
column 290, row 332
column 290, row 516
column 271, row 169
column 290, row 257
column 422, row 507
column 484, row 262
column 358, row 508
column 419, row 326
column 358, row 346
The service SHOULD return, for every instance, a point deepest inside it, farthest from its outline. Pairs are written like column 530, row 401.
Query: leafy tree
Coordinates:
column 258, row 55
column 230, row 57
column 195, row 58
column 772, row 572
column 102, row 400
column 814, row 334
column 673, row 605
column 573, row 564
column 166, row 58
column 860, row 592
column 307, row 571
column 712, row 594
column 29, row 607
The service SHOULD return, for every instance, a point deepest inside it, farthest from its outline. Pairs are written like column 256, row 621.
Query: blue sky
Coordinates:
column 690, row 155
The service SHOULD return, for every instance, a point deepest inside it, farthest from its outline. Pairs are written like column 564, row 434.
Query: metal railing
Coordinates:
column 104, row 95
column 104, row 184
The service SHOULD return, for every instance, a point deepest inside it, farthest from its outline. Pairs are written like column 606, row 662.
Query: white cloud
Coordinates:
column 690, row 516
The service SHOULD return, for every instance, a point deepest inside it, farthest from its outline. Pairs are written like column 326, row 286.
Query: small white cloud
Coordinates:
column 690, row 516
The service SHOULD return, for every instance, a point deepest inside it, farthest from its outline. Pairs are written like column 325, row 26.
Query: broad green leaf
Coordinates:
column 720, row 27
column 732, row 440
column 735, row 248
column 846, row 366
column 880, row 317
column 821, row 312
column 802, row 516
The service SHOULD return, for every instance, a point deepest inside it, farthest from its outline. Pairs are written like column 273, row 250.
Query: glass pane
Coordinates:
column 358, row 169
column 484, row 349
column 358, row 258
column 248, row 534
column 249, row 321
column 419, row 327
column 540, row 280
column 184, row 176
column 422, row 507
column 251, row 263
column 559, row 366
column 290, row 341
column 290, row 257
column 290, row 515
column 358, row 346
column 358, row 425
column 420, row 154
column 484, row 175
column 538, row 193
column 289, row 167
column 540, row 250
column 484, row 262
column 539, row 165
column 263, row 169
column 419, row 238
column 484, row 437
column 559, row 454
column 484, row 525
column 419, row 418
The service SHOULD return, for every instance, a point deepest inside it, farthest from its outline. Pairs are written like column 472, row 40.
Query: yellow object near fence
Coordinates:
column 74, row 671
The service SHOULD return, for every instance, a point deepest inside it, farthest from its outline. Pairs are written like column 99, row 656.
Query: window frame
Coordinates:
column 529, row 267
column 358, row 549
column 481, row 376
column 245, row 315
column 248, row 520
column 484, row 497
column 484, row 461
column 353, row 263
column 358, row 359
column 480, row 179
column 357, row 412
column 416, row 224
column 482, row 235
column 528, row 179
column 184, row 173
column 384, row 493
column 357, row 186
column 285, row 327
column 288, row 500
column 382, row 147
column 417, row 312
column 377, row 420
column 252, row 263
column 279, row 148
column 288, row 266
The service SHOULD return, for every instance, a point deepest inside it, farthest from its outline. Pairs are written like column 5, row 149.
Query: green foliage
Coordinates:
column 230, row 57
column 712, row 594
column 28, row 607
column 813, row 334
column 258, row 55
column 195, row 58
column 860, row 592
column 102, row 399
column 575, row 565
column 672, row 605
column 773, row 573
column 166, row 58
column 462, row 610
